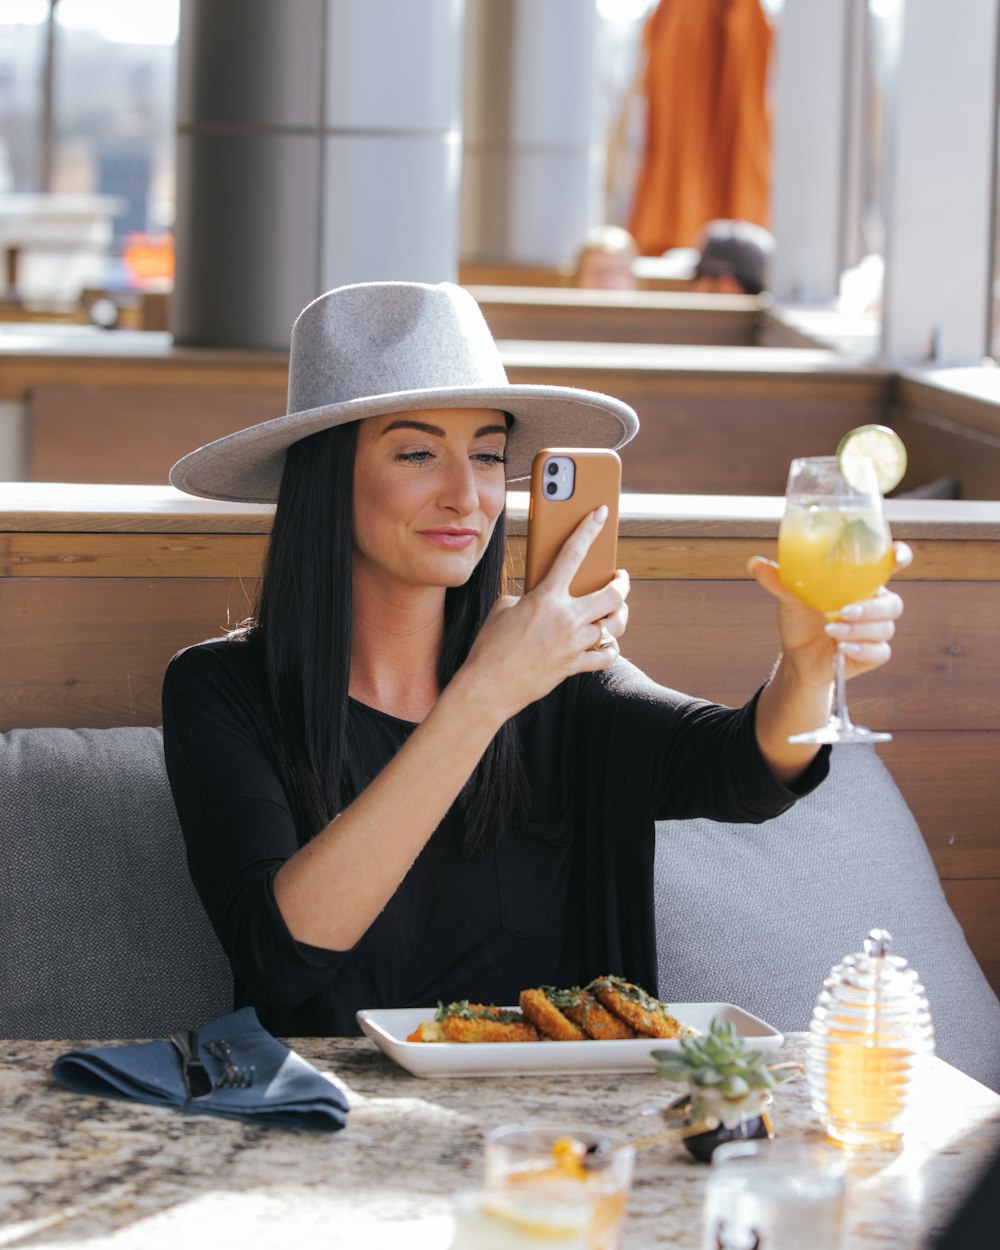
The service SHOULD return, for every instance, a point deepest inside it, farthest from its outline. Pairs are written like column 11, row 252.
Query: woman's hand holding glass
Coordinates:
column 529, row 644
column 834, row 548
column 864, row 629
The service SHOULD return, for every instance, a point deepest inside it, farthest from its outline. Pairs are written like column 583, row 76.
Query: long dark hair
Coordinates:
column 304, row 618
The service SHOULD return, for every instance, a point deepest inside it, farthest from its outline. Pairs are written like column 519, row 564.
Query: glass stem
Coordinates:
column 840, row 713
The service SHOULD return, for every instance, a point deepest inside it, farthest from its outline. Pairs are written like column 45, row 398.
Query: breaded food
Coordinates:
column 479, row 1022
column 540, row 1006
column 457, row 1029
column 595, row 1020
column 631, row 1003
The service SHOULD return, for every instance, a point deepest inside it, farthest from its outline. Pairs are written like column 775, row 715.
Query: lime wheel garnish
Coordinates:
column 879, row 444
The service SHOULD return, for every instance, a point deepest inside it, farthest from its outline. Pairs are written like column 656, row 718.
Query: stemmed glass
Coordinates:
column 834, row 548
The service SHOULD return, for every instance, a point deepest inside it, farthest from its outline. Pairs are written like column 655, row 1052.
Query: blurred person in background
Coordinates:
column 735, row 258
column 604, row 260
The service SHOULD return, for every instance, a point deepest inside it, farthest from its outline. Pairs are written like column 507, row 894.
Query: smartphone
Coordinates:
column 566, row 484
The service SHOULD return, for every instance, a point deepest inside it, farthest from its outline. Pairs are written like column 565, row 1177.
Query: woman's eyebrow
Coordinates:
column 414, row 425
column 436, row 430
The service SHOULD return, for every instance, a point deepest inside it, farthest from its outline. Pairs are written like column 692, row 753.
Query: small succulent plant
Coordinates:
column 720, row 1062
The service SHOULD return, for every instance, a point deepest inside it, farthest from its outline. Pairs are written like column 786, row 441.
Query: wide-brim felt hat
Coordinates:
column 378, row 347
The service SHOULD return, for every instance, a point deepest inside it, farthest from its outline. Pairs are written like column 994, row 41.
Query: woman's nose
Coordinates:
column 459, row 491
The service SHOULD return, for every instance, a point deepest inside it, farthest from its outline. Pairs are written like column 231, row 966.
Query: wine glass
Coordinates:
column 834, row 548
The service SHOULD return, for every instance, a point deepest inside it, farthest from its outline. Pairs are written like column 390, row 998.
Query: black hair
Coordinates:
column 740, row 249
column 303, row 616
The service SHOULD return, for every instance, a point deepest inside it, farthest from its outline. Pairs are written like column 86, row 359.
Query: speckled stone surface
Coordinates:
column 87, row 1172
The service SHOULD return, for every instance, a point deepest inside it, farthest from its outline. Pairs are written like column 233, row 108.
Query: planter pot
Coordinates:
column 739, row 1119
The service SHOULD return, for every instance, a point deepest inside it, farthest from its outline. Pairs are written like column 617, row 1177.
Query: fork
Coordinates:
column 233, row 1076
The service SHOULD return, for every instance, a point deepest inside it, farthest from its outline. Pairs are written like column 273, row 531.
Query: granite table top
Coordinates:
column 79, row 1172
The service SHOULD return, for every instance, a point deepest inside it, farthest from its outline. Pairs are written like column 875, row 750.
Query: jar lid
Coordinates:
column 875, row 971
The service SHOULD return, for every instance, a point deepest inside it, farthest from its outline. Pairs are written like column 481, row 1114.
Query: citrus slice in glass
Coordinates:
column 877, row 443
column 537, row 1219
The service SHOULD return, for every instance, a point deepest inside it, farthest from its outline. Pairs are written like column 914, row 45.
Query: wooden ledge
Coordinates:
column 681, row 358
column 969, row 397
column 56, row 507
column 652, row 301
column 59, row 507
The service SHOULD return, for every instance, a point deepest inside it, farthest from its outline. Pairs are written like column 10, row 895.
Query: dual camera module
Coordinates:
column 559, row 473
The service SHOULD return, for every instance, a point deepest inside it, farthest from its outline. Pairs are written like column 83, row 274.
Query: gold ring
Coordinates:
column 606, row 640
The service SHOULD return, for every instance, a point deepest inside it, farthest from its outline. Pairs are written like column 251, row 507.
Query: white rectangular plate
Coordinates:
column 389, row 1029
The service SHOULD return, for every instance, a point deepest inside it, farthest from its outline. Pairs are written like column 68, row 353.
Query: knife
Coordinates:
column 197, row 1082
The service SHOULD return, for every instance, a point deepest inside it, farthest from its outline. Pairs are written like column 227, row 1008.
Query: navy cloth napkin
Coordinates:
column 286, row 1092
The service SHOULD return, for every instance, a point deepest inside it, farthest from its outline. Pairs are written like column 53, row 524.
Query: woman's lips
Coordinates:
column 454, row 540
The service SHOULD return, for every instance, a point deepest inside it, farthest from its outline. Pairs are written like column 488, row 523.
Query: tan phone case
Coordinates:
column 598, row 479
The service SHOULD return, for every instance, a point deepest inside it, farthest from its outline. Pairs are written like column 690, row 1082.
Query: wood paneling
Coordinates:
column 714, row 420
column 718, row 640
column 147, row 361
column 548, row 276
column 975, row 905
column 133, row 434
column 939, row 446
column 619, row 316
column 714, row 639
column 80, row 652
column 130, row 555
column 952, row 784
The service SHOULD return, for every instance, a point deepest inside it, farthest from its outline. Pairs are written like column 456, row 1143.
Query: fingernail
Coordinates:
column 851, row 613
column 835, row 630
column 601, row 515
column 851, row 648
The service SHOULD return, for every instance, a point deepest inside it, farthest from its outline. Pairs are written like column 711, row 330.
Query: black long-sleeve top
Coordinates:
column 563, row 899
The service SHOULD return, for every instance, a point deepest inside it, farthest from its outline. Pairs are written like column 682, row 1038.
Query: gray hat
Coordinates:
column 378, row 347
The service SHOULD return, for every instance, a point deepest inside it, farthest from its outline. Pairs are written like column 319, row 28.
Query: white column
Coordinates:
column 393, row 147
column 939, row 230
column 319, row 143
column 533, row 162
column 810, row 132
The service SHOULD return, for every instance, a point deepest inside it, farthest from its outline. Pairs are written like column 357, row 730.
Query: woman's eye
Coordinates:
column 490, row 458
column 413, row 457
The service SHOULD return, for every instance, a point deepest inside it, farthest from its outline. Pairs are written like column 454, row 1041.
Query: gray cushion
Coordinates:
column 101, row 930
column 758, row 914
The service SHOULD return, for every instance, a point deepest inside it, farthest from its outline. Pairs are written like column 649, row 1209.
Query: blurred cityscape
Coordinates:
column 109, row 93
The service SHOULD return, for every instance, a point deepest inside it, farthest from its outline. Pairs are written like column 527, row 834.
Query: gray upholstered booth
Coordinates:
column 103, row 935
column 102, row 932
column 759, row 914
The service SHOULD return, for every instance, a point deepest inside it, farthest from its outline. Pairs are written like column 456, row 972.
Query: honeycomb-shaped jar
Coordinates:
column 871, row 1037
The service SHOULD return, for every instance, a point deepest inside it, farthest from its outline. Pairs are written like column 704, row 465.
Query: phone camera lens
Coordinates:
column 551, row 468
column 551, row 487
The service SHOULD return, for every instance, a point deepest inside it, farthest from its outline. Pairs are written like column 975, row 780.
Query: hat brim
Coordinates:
column 246, row 467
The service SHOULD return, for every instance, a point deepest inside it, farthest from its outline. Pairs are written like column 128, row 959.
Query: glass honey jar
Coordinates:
column 871, row 1036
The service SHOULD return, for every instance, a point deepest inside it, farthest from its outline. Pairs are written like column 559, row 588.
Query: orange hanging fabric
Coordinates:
column 708, row 147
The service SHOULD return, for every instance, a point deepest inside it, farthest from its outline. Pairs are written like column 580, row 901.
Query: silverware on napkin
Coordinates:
column 197, row 1082
column 233, row 1076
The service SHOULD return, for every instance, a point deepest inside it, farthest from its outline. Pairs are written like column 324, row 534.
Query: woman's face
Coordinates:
column 428, row 489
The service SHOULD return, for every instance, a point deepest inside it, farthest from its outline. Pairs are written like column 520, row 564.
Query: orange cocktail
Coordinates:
column 832, row 556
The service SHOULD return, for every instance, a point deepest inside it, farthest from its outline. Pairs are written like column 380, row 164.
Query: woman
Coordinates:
column 399, row 785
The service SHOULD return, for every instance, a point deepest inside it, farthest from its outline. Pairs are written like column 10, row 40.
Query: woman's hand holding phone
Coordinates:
column 568, row 483
column 530, row 644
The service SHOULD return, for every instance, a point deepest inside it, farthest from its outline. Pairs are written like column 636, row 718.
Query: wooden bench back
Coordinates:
column 133, row 434
column 714, row 420
column 99, row 586
column 620, row 316
column 948, row 433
